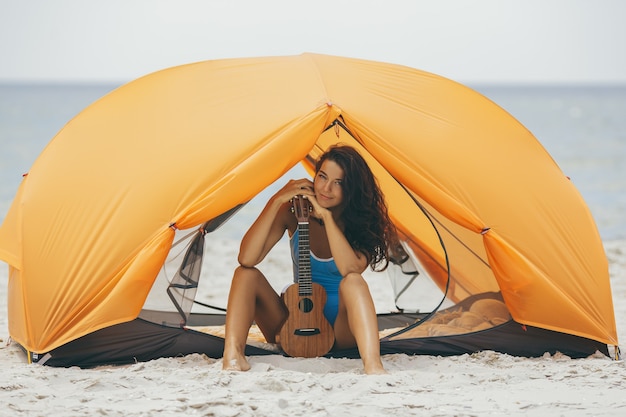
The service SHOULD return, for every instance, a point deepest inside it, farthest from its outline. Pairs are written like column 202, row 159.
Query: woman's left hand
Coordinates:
column 318, row 211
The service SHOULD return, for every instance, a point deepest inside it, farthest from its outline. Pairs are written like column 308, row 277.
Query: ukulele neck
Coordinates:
column 305, row 281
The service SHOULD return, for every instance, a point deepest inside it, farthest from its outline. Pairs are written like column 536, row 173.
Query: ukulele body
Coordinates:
column 306, row 333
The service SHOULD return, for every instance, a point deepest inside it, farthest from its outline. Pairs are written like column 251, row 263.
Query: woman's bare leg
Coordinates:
column 357, row 324
column 251, row 298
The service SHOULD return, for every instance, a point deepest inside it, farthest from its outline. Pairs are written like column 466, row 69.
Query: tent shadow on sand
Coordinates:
column 499, row 250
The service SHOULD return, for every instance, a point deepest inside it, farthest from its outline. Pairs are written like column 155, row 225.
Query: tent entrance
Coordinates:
column 422, row 281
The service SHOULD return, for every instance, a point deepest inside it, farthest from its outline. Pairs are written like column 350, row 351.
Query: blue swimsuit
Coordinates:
column 323, row 272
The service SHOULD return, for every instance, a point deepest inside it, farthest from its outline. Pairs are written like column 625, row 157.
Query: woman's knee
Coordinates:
column 352, row 282
column 245, row 273
column 246, row 279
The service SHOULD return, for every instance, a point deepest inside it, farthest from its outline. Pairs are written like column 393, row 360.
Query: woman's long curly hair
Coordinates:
column 364, row 211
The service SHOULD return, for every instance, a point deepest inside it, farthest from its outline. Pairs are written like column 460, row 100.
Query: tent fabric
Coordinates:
column 94, row 219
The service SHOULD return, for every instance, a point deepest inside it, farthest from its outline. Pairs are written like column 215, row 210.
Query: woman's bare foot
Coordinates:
column 377, row 371
column 375, row 368
column 235, row 363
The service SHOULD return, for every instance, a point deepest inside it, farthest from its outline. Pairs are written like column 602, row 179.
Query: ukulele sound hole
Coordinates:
column 305, row 305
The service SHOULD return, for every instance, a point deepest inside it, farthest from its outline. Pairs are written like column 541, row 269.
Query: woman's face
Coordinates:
column 328, row 185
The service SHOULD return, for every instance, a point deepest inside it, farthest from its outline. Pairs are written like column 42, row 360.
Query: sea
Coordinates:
column 583, row 127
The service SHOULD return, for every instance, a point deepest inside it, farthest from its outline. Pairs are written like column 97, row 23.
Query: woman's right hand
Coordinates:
column 293, row 188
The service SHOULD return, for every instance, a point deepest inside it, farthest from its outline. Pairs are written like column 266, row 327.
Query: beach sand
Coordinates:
column 485, row 383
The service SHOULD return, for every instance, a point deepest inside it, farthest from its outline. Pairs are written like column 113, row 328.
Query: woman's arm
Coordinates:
column 271, row 224
column 346, row 258
column 262, row 235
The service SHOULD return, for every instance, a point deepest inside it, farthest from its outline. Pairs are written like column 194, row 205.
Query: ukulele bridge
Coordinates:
column 306, row 332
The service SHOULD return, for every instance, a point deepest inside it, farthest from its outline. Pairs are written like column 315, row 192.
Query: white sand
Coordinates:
column 486, row 383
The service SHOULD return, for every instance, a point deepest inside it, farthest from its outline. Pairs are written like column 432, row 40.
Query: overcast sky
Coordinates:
column 472, row 41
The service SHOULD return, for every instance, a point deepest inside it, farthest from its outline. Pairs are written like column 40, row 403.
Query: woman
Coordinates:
column 349, row 227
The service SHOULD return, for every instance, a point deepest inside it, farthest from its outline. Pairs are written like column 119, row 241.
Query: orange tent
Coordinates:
column 94, row 220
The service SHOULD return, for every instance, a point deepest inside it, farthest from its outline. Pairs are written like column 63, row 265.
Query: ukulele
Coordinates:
column 306, row 333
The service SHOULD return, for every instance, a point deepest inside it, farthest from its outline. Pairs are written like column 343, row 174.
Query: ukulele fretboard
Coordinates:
column 305, row 282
